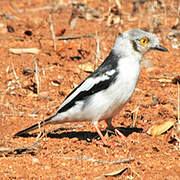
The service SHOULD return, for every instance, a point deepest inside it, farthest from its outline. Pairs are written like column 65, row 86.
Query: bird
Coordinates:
column 106, row 90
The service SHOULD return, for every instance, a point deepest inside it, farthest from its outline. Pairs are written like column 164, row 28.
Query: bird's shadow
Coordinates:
column 87, row 135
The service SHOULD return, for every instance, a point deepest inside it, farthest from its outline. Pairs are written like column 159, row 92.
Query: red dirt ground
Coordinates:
column 26, row 99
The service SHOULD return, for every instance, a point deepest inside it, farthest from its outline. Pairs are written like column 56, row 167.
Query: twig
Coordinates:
column 52, row 31
column 57, row 38
column 124, row 160
column 37, row 75
column 118, row 4
column 97, row 49
column 75, row 37
column 14, row 72
column 17, row 78
column 34, row 9
column 135, row 113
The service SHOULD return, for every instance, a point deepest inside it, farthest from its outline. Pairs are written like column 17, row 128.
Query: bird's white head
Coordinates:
column 136, row 41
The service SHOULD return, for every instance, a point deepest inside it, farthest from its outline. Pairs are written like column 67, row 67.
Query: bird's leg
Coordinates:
column 109, row 124
column 101, row 135
column 111, row 127
column 120, row 134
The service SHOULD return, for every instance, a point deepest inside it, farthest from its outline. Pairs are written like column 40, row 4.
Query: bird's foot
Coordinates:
column 112, row 144
column 104, row 141
column 119, row 134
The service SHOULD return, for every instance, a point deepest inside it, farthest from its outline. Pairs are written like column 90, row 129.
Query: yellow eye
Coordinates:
column 144, row 41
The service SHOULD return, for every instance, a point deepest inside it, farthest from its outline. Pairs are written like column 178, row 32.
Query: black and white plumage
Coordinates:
column 104, row 93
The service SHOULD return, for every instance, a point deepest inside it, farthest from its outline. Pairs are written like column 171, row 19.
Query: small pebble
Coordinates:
column 28, row 33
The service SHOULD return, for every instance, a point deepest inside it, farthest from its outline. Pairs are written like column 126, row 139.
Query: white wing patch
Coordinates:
column 111, row 72
column 86, row 85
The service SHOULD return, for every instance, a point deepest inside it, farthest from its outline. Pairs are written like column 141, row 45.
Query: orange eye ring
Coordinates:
column 144, row 41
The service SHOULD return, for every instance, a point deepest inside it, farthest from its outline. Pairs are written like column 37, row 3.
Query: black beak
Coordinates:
column 160, row 48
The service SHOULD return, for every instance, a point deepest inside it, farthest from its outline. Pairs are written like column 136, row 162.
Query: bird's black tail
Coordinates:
column 33, row 127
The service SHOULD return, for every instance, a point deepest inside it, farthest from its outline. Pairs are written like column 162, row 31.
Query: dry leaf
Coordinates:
column 114, row 173
column 56, row 82
column 158, row 129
